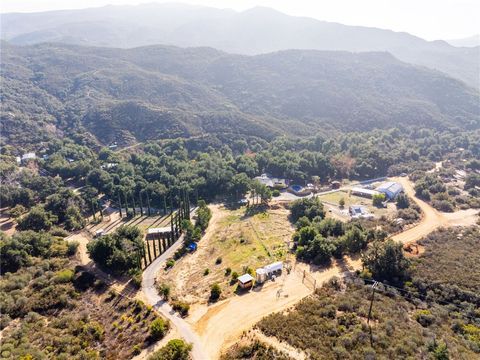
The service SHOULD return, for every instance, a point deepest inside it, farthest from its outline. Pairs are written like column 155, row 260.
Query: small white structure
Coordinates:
column 154, row 233
column 99, row 232
column 368, row 193
column 261, row 275
column 267, row 271
column 27, row 157
column 245, row 281
column 271, row 182
column 359, row 212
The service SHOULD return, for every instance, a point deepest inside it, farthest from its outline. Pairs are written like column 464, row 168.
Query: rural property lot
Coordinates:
column 240, row 241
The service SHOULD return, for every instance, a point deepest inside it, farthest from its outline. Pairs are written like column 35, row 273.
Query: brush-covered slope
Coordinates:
column 159, row 91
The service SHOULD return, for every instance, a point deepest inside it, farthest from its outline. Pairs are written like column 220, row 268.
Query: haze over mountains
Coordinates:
column 255, row 31
column 153, row 92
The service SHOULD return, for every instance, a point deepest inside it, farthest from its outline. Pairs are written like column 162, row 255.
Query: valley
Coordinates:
column 181, row 182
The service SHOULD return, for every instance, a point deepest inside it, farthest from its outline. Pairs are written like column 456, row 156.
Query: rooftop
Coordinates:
column 364, row 191
column 245, row 278
column 390, row 186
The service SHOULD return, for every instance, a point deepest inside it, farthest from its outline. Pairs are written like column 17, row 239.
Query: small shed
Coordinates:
column 155, row 233
column 335, row 184
column 368, row 193
column 99, row 233
column 245, row 281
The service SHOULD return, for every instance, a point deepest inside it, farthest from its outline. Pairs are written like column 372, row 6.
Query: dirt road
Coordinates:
column 432, row 218
column 213, row 328
column 152, row 297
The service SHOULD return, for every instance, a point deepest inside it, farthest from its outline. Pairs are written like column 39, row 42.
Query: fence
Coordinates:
column 153, row 248
column 307, row 279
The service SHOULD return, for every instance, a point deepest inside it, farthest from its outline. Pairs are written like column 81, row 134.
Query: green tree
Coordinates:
column 386, row 261
column 37, row 219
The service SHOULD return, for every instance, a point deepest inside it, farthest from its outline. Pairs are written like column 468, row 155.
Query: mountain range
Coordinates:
column 129, row 95
column 255, row 31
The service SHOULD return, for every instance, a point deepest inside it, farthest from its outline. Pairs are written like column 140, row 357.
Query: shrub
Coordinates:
column 182, row 307
column 169, row 263
column 218, row 261
column 228, row 271
column 175, row 349
column 136, row 350
column 136, row 278
column 72, row 248
column 57, row 231
column 206, row 272
column 378, row 200
column 276, row 193
column 64, row 276
column 164, row 291
column 215, row 292
column 424, row 317
column 234, row 276
column 158, row 328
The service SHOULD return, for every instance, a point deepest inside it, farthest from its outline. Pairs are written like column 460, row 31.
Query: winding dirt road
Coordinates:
column 432, row 218
column 213, row 328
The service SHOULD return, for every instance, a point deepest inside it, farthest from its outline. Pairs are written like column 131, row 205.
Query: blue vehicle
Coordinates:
column 192, row 247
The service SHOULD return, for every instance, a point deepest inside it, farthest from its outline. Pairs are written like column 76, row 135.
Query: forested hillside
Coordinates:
column 254, row 31
column 167, row 92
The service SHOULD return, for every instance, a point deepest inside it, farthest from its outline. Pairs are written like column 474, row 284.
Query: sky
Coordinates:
column 429, row 19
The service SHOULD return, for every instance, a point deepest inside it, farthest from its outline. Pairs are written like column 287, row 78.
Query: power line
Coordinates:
column 418, row 296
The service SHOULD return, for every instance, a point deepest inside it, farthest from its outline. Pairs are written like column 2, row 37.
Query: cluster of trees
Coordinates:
column 385, row 261
column 20, row 249
column 45, row 200
column 318, row 239
column 194, row 232
column 432, row 187
column 120, row 252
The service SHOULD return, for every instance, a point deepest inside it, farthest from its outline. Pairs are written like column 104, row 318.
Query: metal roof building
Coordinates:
column 390, row 189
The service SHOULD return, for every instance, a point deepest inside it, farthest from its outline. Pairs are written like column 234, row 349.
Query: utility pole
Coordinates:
column 374, row 286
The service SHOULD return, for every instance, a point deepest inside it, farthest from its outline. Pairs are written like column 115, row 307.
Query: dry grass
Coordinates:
column 240, row 241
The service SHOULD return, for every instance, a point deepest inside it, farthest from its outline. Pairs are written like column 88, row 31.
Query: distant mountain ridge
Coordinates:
column 255, row 31
column 470, row 41
column 156, row 92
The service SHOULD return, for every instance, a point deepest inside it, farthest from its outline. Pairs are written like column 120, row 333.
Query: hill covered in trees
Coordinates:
column 167, row 92
column 254, row 31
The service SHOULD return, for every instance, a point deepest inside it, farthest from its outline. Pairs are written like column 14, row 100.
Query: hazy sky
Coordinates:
column 430, row 19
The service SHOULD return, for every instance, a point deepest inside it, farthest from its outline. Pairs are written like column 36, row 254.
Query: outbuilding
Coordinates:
column 368, row 193
column 157, row 233
column 390, row 189
column 245, row 281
